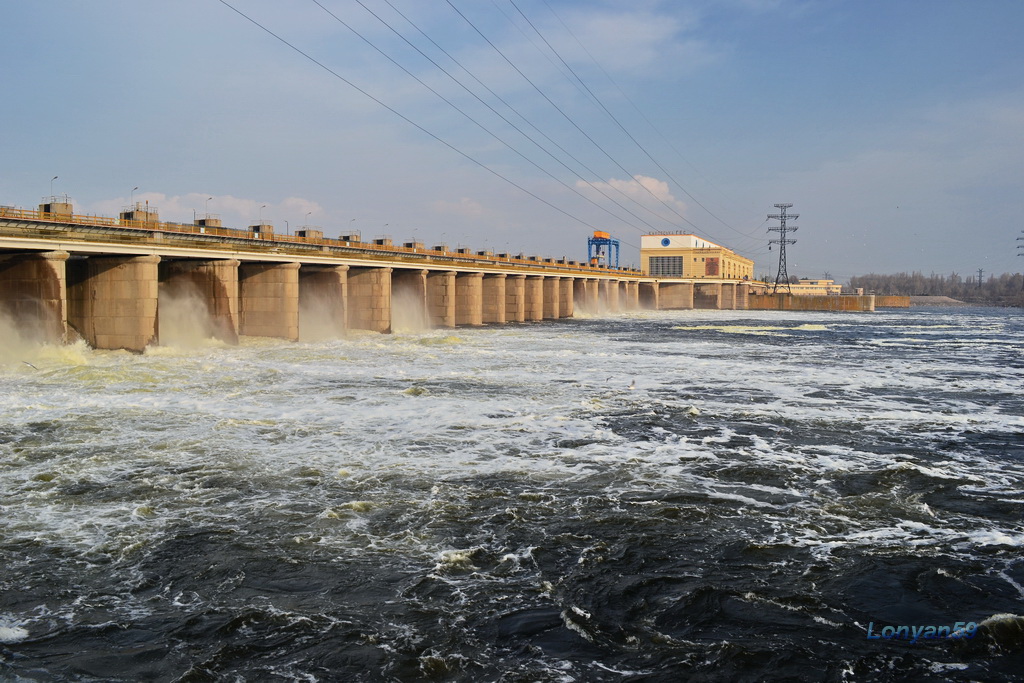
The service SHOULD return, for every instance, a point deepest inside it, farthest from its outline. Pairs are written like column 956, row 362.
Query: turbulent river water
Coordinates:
column 693, row 495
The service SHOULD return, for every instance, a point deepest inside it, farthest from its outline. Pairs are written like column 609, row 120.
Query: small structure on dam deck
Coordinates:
column 140, row 214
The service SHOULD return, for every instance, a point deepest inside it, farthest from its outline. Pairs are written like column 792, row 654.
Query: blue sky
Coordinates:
column 896, row 128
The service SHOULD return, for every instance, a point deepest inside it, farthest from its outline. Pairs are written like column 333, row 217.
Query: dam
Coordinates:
column 65, row 275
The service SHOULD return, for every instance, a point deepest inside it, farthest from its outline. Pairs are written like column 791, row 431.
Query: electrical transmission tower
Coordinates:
column 782, row 229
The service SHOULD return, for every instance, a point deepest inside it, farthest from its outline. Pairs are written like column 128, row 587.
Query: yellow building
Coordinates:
column 689, row 256
column 815, row 287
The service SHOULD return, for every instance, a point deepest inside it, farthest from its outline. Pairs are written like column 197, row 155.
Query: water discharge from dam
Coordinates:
column 726, row 495
column 184, row 320
column 408, row 314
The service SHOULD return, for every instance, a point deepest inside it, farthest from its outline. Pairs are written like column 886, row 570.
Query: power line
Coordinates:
column 532, row 125
column 618, row 123
column 492, row 109
column 403, row 117
column 566, row 116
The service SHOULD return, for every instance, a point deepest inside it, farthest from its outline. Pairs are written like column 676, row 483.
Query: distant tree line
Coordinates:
column 996, row 290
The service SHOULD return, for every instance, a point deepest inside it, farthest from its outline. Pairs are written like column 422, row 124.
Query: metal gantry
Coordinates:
column 782, row 276
column 602, row 247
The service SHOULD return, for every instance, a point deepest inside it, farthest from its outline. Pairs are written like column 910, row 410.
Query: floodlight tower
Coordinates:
column 782, row 228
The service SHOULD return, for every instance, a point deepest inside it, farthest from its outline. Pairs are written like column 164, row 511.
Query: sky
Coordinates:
column 894, row 127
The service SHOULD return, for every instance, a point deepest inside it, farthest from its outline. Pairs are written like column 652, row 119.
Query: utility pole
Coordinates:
column 1021, row 253
column 782, row 228
column 980, row 273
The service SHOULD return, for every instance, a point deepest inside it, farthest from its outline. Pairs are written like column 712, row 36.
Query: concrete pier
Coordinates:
column 515, row 298
column 441, row 298
column 552, row 298
column 592, row 298
column 112, row 300
column 494, row 298
column 214, row 282
column 675, row 295
column 727, row 297
column 534, row 297
column 469, row 299
column 268, row 300
column 742, row 296
column 33, row 289
column 566, row 303
column 369, row 299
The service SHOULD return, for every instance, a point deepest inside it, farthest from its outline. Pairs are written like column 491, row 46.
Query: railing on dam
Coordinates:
column 466, row 256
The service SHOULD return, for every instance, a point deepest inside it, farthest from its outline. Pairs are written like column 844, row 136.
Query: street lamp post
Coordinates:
column 51, row 184
column 131, row 201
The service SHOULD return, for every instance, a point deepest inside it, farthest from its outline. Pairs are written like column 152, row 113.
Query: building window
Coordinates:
column 666, row 266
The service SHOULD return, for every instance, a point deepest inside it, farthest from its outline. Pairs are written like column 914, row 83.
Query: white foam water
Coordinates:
column 470, row 458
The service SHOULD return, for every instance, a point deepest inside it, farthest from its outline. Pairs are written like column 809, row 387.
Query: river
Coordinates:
column 704, row 495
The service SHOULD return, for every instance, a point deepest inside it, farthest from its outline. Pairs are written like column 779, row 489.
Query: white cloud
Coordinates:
column 644, row 190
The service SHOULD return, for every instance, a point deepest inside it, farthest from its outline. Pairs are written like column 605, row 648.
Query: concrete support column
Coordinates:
column 268, row 295
column 551, row 297
column 565, row 297
column 369, row 299
column 593, row 297
column 441, row 298
column 742, row 296
column 33, row 293
column 469, row 299
column 727, row 299
column 675, row 296
column 534, row 297
column 323, row 301
column 214, row 282
column 494, row 298
column 409, row 300
column 112, row 300
column 515, row 298
column 647, row 296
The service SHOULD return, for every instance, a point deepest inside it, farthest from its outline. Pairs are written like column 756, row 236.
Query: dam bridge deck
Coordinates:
column 103, row 279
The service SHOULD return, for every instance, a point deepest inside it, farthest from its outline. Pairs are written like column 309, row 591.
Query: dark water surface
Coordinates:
column 499, row 504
